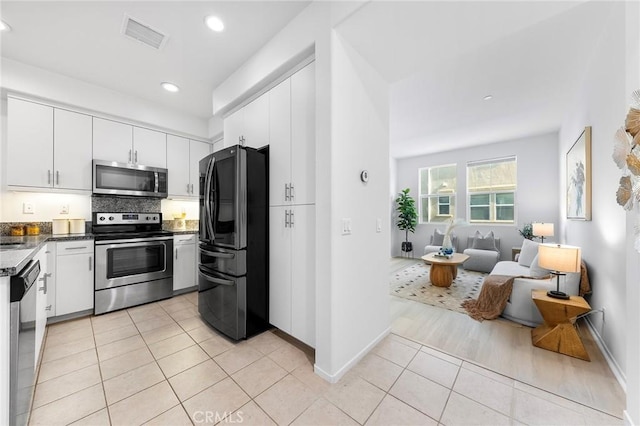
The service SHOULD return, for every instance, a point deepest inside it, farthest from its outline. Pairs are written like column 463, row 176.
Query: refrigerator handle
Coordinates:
column 207, row 199
column 218, row 254
column 216, row 280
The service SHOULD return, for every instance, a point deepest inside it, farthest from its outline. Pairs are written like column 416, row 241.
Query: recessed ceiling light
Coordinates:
column 488, row 97
column 169, row 87
column 4, row 26
column 214, row 23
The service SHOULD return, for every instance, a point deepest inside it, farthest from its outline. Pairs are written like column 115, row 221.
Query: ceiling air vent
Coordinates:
column 135, row 29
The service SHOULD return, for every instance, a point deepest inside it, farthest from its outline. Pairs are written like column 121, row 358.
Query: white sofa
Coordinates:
column 520, row 308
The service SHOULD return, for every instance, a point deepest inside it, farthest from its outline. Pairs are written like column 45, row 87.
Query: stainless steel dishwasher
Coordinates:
column 23, row 343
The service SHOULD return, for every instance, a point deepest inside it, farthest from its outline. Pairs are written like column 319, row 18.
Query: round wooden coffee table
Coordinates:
column 443, row 271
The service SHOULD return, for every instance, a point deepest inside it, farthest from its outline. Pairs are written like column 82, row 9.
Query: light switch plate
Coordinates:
column 28, row 208
column 346, row 226
column 64, row 209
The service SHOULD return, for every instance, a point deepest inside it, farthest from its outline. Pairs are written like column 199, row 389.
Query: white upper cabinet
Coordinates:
column 303, row 135
column 30, row 144
column 48, row 147
column 112, row 141
column 149, row 147
column 280, row 143
column 72, row 153
column 178, row 165
column 124, row 143
column 292, row 140
column 197, row 151
column 249, row 126
column 183, row 158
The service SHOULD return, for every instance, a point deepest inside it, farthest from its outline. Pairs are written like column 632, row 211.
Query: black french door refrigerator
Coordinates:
column 233, row 288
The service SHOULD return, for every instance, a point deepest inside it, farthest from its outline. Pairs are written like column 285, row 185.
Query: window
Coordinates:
column 437, row 201
column 491, row 186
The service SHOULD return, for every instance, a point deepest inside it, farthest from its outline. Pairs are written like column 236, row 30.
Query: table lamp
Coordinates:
column 542, row 230
column 559, row 259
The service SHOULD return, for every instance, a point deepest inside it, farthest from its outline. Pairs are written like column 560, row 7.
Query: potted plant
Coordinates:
column 527, row 231
column 407, row 217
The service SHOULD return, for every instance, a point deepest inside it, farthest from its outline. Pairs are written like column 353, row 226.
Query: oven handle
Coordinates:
column 218, row 254
column 133, row 241
column 216, row 280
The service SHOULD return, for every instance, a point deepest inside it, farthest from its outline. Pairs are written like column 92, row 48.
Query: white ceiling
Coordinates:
column 82, row 39
column 442, row 58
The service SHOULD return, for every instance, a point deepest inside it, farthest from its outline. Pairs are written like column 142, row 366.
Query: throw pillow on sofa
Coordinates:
column 486, row 242
column 528, row 252
column 438, row 238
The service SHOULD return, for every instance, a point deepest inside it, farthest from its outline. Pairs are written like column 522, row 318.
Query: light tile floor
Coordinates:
column 160, row 364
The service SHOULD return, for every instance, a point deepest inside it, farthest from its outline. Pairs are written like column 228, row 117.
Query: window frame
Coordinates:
column 493, row 205
column 422, row 198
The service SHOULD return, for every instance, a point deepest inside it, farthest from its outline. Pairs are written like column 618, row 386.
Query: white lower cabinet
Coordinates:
column 74, row 277
column 41, row 289
column 292, row 298
column 184, row 261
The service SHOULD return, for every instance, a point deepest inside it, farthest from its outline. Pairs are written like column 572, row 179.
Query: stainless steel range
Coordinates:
column 134, row 262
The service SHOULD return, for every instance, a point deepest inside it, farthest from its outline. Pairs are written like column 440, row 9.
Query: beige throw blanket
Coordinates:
column 496, row 290
column 492, row 299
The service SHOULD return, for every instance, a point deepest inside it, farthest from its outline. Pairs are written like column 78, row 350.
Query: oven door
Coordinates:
column 123, row 262
column 222, row 301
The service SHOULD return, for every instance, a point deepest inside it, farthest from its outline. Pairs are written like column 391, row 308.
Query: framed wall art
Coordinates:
column 579, row 178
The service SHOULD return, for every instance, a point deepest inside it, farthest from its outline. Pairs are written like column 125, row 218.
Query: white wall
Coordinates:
column 632, row 415
column 602, row 104
column 536, row 194
column 360, row 140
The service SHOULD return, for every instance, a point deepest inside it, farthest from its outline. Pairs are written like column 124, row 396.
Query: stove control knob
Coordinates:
column 101, row 218
column 148, row 218
column 111, row 217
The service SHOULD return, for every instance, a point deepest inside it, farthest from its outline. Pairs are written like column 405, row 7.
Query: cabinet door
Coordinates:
column 41, row 299
column 30, row 144
column 197, row 151
column 256, row 122
column 233, row 126
column 303, row 135
column 178, row 165
column 112, row 141
column 149, row 147
column 74, row 283
column 184, row 271
column 279, row 270
column 303, row 296
column 51, row 282
column 279, row 143
column 72, row 149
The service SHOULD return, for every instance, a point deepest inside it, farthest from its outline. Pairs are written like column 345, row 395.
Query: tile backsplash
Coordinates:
column 112, row 204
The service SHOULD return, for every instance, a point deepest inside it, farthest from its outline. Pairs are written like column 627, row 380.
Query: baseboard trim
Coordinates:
column 613, row 365
column 333, row 378
column 627, row 419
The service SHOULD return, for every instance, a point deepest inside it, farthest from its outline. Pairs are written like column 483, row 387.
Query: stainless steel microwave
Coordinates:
column 113, row 178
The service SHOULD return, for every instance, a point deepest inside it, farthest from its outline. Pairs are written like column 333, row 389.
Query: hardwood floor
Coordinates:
column 505, row 347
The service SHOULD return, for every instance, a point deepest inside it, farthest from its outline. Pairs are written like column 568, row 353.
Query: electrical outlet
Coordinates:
column 28, row 208
column 64, row 209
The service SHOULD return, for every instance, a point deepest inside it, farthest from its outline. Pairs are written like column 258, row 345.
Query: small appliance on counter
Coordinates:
column 33, row 229
column 77, row 226
column 179, row 223
column 16, row 231
column 60, row 226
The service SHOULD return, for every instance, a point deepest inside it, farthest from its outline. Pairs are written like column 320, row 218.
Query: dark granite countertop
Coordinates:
column 185, row 232
column 16, row 252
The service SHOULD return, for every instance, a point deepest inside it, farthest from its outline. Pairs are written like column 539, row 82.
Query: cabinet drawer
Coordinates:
column 184, row 239
column 74, row 247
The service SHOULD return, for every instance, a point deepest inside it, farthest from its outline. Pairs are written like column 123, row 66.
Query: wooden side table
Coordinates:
column 558, row 333
column 514, row 252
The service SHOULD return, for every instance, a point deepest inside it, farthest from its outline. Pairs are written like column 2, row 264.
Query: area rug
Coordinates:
column 413, row 283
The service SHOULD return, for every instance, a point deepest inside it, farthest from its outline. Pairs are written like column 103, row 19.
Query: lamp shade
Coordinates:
column 542, row 229
column 558, row 257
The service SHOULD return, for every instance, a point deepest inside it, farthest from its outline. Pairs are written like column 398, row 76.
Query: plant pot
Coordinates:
column 407, row 246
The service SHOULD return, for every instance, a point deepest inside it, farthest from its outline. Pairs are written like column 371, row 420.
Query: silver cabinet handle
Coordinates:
column 188, row 188
column 286, row 192
column 57, row 177
column 48, row 308
column 130, row 156
column 292, row 192
column 136, row 157
column 291, row 223
column 44, row 280
column 90, row 263
column 49, row 177
column 76, row 248
column 191, row 188
column 286, row 218
column 176, row 253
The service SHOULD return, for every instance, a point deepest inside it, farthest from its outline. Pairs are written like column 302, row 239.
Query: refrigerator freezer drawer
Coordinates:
column 217, row 259
column 222, row 301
